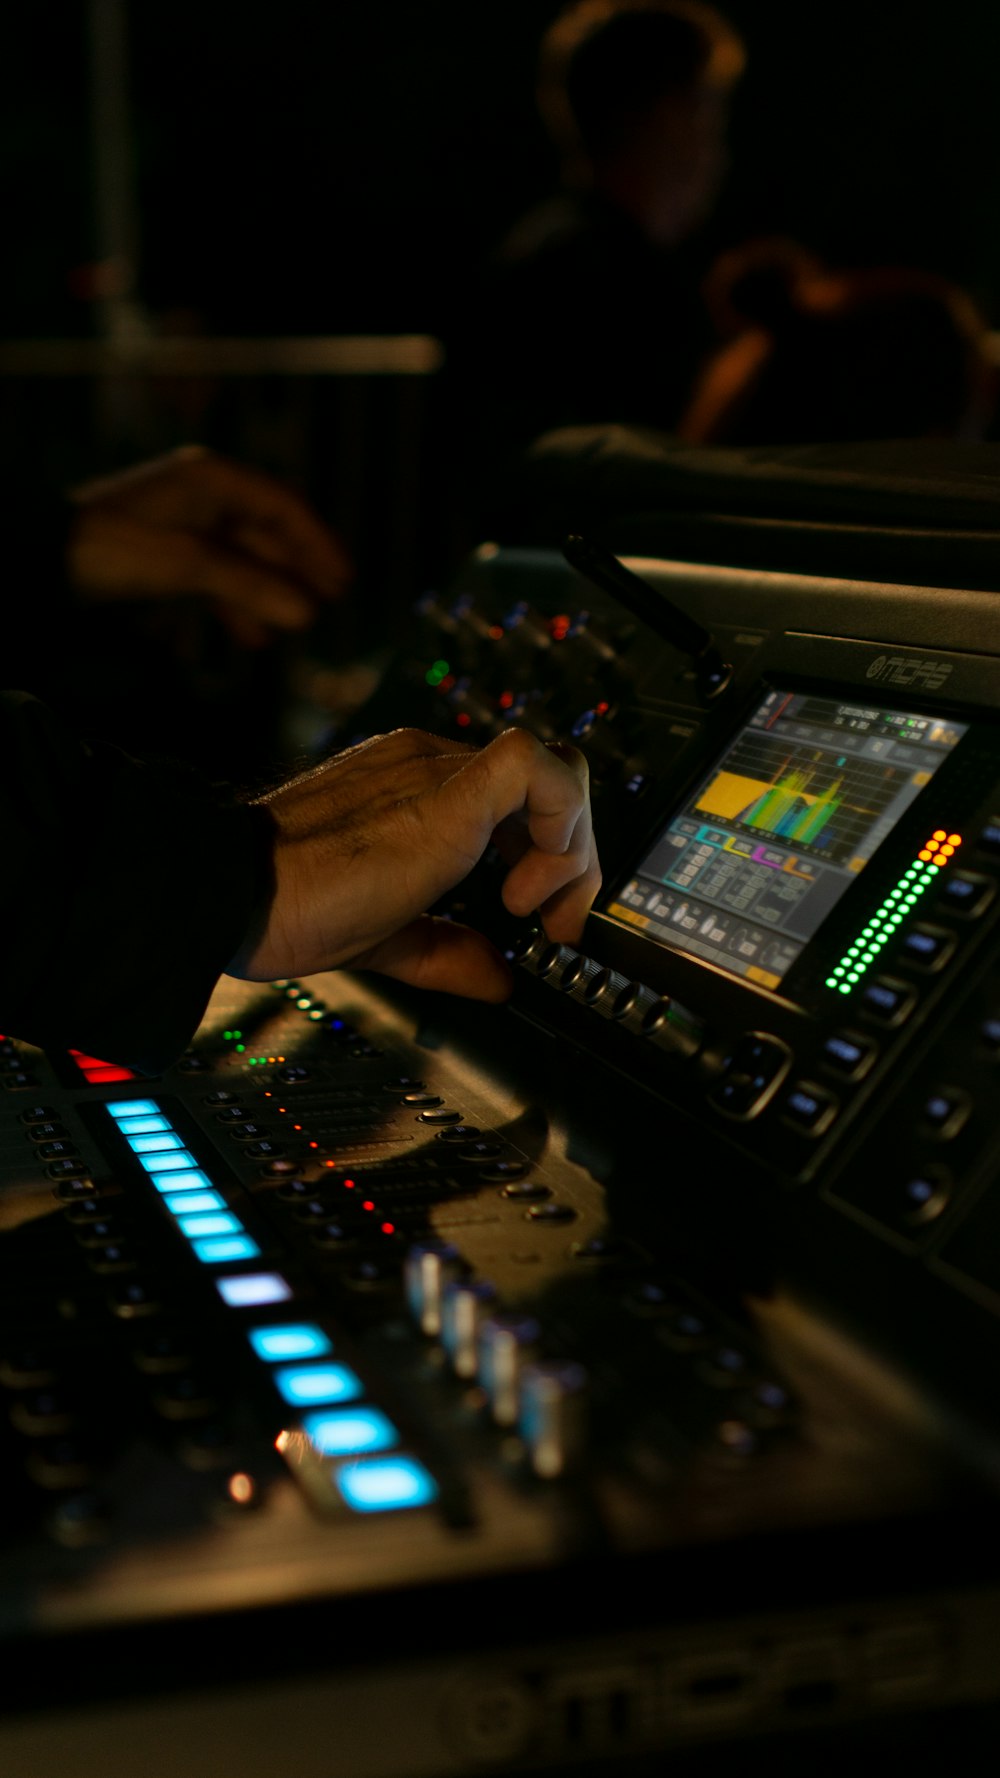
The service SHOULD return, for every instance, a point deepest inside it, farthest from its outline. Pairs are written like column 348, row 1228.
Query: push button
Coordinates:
column 989, row 839
column 927, row 947
column 888, row 1002
column 945, row 1111
column 54, row 1151
column 925, row 1194
column 848, row 1056
column 811, row 1109
column 965, row 892
column 751, row 1071
column 37, row 1114
column 45, row 1132
column 443, row 1116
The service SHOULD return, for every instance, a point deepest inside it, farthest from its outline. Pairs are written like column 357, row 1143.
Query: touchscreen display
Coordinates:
column 746, row 872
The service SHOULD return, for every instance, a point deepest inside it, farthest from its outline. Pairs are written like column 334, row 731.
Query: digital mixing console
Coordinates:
column 401, row 1386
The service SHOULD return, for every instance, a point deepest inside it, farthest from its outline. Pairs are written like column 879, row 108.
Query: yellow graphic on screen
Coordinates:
column 784, row 807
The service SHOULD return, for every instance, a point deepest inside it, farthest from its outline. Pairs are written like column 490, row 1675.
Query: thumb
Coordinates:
column 434, row 953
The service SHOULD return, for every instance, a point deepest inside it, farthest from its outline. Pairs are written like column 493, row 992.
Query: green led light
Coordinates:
column 844, row 989
column 252, row 1060
column 830, row 983
column 226, row 1035
column 237, row 1034
column 241, row 1047
column 911, row 901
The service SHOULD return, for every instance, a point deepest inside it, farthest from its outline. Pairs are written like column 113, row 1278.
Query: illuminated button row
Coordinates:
column 338, row 1423
column 216, row 1236
column 337, row 1430
column 883, row 924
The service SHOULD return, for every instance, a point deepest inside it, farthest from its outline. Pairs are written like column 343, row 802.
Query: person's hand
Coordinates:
column 192, row 522
column 365, row 843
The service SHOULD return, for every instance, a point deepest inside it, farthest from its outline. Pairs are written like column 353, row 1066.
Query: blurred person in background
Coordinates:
column 112, row 593
column 819, row 356
column 589, row 310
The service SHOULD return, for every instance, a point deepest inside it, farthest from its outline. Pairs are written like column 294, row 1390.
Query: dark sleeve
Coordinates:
column 125, row 887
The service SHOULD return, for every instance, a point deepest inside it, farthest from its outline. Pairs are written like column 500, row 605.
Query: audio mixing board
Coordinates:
column 400, row 1386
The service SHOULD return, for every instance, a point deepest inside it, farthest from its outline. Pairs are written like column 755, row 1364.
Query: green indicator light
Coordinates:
column 911, row 901
column 237, row 1034
column 226, row 1035
column 241, row 1047
column 844, row 989
column 853, row 977
column 830, row 983
column 252, row 1061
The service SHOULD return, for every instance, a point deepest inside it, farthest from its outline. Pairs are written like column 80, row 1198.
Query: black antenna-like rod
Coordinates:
column 648, row 604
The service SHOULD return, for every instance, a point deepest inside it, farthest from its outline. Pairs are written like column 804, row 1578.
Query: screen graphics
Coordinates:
column 747, row 870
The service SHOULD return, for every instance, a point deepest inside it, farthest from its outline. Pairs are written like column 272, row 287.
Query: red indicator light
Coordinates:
column 368, row 1205
column 296, row 1126
column 447, row 682
column 506, row 699
column 329, row 1163
column 349, row 1183
column 496, row 633
column 103, row 1076
column 602, row 708
column 312, row 1144
column 463, row 719
column 388, row 1228
column 559, row 627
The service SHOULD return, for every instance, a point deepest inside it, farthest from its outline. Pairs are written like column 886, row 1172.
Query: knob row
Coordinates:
column 630, row 1004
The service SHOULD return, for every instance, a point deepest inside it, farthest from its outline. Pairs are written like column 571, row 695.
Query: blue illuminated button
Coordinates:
column 350, row 1432
column 132, row 1108
column 165, row 1163
column 221, row 1223
column 888, row 1002
column 154, row 1144
column 848, row 1056
column 226, row 1248
column 966, row 893
column 304, row 1384
column 385, row 1484
column 989, row 839
column 298, row 1339
column 810, row 1108
column 252, row 1289
column 191, row 1203
column 927, row 947
column 186, row 1179
column 946, row 1111
column 141, row 1126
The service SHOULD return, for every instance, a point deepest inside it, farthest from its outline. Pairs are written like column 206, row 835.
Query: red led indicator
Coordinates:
column 602, row 708
column 388, row 1228
column 368, row 1205
column 496, row 633
column 560, row 627
column 506, row 699
column 463, row 719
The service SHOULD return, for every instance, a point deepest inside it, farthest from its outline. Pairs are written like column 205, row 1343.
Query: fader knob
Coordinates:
column 506, row 1344
column 552, row 1419
column 428, row 1268
column 464, row 1308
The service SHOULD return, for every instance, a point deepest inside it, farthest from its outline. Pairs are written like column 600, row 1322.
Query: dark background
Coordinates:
column 320, row 167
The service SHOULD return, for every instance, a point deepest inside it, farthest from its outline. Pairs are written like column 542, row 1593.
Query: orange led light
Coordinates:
column 954, row 839
column 932, row 845
column 947, row 852
column 939, row 833
column 925, row 857
column 296, row 1126
column 496, row 633
column 314, row 1145
column 240, row 1488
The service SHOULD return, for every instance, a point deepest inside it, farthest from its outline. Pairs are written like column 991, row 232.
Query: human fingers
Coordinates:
column 266, row 520
column 547, row 789
column 112, row 556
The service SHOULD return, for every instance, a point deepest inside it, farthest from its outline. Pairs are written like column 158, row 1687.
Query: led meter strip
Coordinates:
column 340, row 1424
column 884, row 923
